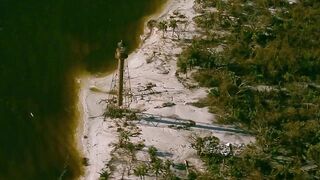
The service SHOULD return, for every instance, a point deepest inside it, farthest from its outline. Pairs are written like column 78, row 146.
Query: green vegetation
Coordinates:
column 158, row 167
column 114, row 112
column 141, row 170
column 125, row 160
column 151, row 24
column 124, row 153
column 163, row 26
column 173, row 25
column 261, row 61
column 104, row 175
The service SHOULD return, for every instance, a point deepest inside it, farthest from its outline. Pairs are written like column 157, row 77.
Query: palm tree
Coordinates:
column 157, row 166
column 167, row 170
column 152, row 151
column 151, row 24
column 163, row 27
column 173, row 24
column 141, row 170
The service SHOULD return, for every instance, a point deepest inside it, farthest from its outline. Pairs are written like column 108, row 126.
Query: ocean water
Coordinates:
column 44, row 45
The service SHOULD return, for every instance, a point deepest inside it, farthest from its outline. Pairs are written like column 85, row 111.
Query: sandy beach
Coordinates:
column 153, row 63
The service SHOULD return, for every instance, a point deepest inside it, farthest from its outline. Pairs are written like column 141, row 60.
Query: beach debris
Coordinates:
column 96, row 89
column 85, row 161
column 168, row 104
column 228, row 149
column 165, row 71
column 150, row 85
column 150, row 58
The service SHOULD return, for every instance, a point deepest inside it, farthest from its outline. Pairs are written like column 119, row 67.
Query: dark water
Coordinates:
column 43, row 45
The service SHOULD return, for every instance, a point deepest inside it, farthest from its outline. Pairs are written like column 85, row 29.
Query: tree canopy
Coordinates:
column 265, row 79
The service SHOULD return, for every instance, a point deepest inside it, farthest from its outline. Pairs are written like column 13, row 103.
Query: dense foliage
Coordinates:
column 261, row 61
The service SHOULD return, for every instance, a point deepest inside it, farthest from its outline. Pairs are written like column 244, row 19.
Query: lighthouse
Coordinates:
column 121, row 54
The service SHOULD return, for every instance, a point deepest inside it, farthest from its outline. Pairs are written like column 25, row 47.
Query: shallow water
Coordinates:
column 43, row 47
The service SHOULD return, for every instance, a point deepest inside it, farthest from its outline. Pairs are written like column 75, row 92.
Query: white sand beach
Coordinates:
column 154, row 62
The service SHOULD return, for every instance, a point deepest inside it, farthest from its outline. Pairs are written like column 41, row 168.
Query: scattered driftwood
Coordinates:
column 168, row 104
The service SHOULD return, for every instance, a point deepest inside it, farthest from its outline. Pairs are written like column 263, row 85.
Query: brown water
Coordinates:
column 43, row 45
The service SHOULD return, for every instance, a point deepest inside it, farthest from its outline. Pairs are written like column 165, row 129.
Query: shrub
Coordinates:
column 279, row 50
column 152, row 151
column 114, row 112
column 104, row 175
column 140, row 170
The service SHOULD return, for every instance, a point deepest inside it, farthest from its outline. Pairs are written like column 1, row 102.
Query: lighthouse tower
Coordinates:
column 120, row 91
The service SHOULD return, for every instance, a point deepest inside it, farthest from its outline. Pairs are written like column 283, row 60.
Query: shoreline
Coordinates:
column 153, row 62
column 83, row 82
